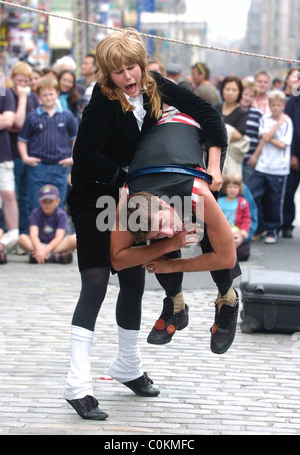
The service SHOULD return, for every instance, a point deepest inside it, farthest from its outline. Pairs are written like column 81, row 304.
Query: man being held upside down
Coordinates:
column 169, row 164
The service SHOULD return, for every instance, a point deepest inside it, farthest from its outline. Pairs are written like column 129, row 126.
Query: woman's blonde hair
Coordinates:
column 119, row 48
column 233, row 179
column 250, row 85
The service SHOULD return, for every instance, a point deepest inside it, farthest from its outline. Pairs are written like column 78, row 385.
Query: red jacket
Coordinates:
column 243, row 217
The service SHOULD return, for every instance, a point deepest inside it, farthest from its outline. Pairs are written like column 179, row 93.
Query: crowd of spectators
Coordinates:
column 39, row 117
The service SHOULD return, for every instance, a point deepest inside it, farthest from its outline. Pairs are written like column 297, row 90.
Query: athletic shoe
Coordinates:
column 259, row 235
column 224, row 327
column 168, row 322
column 270, row 240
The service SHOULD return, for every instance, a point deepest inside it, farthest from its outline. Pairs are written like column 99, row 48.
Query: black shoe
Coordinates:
column 168, row 323
column 3, row 257
column 61, row 258
column 32, row 259
column 224, row 327
column 142, row 386
column 87, row 408
column 287, row 233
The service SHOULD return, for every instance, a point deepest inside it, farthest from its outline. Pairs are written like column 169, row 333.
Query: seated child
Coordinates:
column 47, row 240
column 237, row 211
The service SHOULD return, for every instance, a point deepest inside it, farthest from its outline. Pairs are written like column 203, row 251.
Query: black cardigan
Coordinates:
column 107, row 137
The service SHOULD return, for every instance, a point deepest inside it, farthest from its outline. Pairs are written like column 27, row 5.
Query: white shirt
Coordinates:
column 138, row 111
column 273, row 160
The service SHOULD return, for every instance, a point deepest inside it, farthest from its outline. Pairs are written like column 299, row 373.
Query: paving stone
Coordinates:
column 252, row 389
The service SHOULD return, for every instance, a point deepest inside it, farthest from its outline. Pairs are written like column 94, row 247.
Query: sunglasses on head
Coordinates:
column 201, row 68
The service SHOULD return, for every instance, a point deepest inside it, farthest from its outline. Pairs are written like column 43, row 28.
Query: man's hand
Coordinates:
column 21, row 91
column 252, row 161
column 40, row 255
column 295, row 163
column 32, row 161
column 66, row 162
column 190, row 233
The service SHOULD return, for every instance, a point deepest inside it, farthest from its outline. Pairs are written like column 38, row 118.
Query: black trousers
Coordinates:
column 289, row 209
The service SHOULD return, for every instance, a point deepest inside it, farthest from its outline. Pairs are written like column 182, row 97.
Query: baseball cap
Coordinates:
column 48, row 192
column 173, row 68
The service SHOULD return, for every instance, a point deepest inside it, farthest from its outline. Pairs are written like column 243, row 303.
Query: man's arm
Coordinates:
column 125, row 255
column 6, row 120
column 38, row 249
column 254, row 157
column 21, row 109
column 58, row 238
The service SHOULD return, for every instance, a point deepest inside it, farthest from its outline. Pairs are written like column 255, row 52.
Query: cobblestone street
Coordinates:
column 252, row 389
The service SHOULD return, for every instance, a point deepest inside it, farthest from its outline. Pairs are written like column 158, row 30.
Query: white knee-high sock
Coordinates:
column 79, row 381
column 127, row 364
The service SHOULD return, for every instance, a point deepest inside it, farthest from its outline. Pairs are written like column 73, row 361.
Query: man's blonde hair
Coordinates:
column 21, row 68
column 125, row 48
column 47, row 82
column 146, row 205
column 277, row 95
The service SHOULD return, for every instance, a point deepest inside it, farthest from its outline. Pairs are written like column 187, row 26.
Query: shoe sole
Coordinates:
column 214, row 349
column 225, row 349
column 142, row 394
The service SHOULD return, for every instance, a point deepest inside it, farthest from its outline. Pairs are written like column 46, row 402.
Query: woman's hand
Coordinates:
column 161, row 265
column 217, row 179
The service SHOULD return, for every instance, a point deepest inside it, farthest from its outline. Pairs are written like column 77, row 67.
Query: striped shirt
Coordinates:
column 252, row 130
column 174, row 116
column 49, row 138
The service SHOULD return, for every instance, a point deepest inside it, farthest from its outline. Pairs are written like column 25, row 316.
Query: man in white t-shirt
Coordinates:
column 272, row 166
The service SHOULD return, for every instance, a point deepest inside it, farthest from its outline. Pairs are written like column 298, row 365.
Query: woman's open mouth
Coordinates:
column 131, row 88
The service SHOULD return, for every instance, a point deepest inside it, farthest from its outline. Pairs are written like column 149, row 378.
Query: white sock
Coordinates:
column 14, row 232
column 10, row 239
column 127, row 364
column 79, row 381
